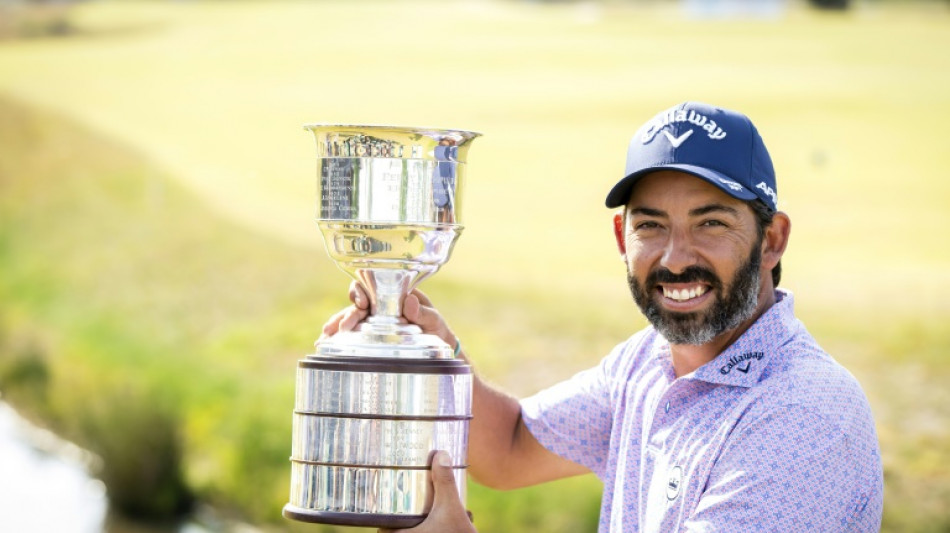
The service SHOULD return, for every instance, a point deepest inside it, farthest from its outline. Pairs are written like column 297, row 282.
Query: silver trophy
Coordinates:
column 373, row 404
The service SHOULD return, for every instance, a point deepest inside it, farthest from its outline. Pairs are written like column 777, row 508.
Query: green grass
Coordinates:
column 158, row 256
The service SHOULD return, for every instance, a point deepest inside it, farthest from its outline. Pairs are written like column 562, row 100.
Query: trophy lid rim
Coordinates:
column 389, row 127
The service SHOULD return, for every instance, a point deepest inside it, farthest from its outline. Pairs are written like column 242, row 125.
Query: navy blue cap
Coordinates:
column 718, row 145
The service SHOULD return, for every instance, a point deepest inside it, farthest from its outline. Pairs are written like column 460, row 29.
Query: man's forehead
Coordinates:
column 665, row 186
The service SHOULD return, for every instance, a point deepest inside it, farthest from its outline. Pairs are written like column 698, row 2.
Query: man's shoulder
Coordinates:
column 802, row 363
column 803, row 377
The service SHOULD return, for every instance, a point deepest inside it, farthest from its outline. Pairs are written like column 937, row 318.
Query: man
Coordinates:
column 724, row 414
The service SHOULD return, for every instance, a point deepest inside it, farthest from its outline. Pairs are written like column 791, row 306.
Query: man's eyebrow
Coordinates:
column 713, row 208
column 699, row 211
column 647, row 211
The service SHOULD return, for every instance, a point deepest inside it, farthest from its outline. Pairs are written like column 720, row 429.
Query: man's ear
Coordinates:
column 618, row 234
column 776, row 240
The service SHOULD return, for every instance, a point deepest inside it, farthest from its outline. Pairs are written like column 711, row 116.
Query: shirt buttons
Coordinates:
column 667, row 408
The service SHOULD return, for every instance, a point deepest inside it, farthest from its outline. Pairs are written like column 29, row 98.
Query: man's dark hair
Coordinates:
column 763, row 219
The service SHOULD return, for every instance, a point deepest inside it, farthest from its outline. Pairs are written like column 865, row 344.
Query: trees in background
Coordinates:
column 34, row 18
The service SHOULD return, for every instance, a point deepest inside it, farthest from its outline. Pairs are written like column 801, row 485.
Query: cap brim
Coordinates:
column 619, row 195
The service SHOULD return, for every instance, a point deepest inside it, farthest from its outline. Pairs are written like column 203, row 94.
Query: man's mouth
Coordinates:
column 684, row 294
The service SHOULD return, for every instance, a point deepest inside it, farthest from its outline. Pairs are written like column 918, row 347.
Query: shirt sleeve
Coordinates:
column 790, row 471
column 573, row 418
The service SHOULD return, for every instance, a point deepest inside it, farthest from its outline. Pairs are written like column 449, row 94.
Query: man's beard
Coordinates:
column 726, row 313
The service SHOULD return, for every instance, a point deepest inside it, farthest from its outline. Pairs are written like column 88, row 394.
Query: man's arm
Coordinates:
column 502, row 453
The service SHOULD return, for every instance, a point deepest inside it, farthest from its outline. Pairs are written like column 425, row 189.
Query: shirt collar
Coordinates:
column 742, row 363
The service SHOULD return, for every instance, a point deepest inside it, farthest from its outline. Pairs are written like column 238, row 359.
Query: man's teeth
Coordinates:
column 681, row 295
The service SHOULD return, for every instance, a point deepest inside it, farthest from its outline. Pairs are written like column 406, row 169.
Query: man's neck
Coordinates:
column 688, row 357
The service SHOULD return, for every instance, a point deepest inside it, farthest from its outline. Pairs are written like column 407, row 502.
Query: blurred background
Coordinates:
column 161, row 271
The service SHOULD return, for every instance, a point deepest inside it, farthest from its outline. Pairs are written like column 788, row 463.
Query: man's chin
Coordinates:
column 681, row 325
column 695, row 335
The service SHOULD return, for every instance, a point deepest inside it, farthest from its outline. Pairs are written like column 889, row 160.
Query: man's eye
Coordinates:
column 645, row 225
column 714, row 223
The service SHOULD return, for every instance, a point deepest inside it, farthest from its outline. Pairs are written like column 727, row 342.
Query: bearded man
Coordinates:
column 724, row 414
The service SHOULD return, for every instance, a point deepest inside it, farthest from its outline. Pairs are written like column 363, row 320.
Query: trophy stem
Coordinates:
column 387, row 289
column 392, row 286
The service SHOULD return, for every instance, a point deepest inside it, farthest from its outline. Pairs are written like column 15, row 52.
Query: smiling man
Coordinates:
column 724, row 414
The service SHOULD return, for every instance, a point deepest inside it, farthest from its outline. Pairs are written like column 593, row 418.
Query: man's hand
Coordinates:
column 447, row 515
column 416, row 309
column 350, row 317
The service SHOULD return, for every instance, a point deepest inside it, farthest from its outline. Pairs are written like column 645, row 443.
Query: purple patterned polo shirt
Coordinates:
column 772, row 435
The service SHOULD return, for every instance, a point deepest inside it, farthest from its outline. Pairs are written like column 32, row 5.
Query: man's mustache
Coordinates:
column 690, row 275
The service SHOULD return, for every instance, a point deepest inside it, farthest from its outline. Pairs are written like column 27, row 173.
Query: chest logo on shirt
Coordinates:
column 742, row 363
column 674, row 482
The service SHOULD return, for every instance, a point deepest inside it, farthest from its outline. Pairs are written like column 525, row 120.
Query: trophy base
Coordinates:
column 388, row 521
column 384, row 342
column 364, row 430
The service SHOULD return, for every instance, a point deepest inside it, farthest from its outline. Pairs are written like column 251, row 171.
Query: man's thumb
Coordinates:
column 447, row 507
column 443, row 476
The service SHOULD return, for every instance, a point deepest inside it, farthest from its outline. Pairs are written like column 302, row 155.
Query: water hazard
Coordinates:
column 46, row 485
column 44, row 481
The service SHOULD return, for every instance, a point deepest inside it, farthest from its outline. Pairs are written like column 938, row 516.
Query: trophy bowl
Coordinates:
column 373, row 404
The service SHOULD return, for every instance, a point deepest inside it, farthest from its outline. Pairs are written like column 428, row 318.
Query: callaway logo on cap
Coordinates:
column 718, row 145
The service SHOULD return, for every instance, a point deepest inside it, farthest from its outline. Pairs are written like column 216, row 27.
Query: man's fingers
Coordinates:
column 332, row 325
column 411, row 307
column 423, row 299
column 426, row 317
column 352, row 316
column 358, row 296
column 416, row 309
column 345, row 320
column 349, row 318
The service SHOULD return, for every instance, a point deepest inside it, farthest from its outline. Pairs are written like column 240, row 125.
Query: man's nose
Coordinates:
column 679, row 253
